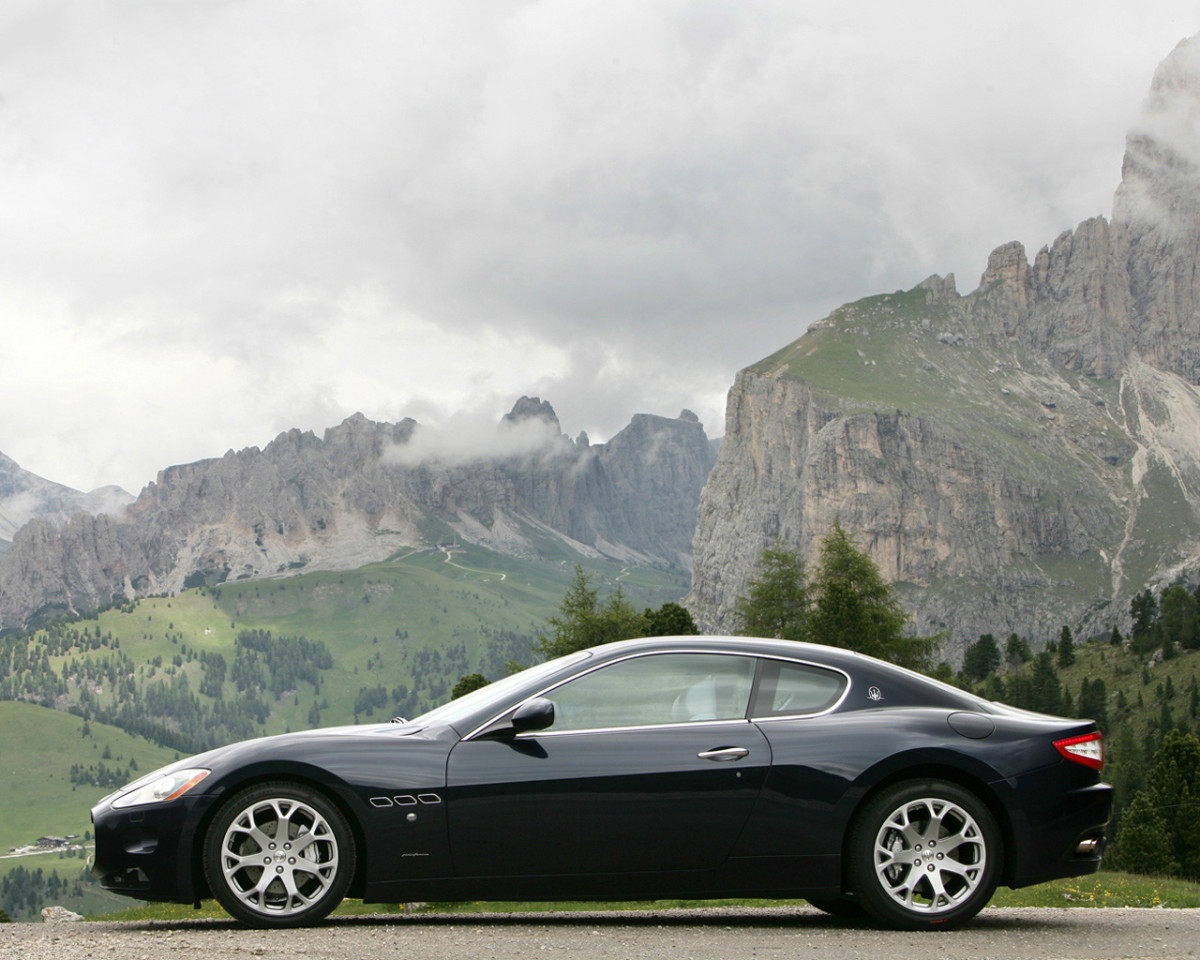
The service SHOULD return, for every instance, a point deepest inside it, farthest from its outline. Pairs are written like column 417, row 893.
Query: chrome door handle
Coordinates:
column 724, row 753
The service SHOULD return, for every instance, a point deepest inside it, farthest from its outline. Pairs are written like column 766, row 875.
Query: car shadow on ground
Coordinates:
column 760, row 918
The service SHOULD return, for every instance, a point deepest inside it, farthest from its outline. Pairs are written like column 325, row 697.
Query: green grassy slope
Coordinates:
column 411, row 626
column 895, row 353
column 39, row 747
column 37, row 750
column 1145, row 697
column 418, row 620
column 1129, row 678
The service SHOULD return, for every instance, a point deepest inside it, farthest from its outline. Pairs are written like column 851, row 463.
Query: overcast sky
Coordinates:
column 220, row 219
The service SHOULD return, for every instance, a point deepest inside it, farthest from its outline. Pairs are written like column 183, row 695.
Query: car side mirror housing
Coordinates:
column 535, row 714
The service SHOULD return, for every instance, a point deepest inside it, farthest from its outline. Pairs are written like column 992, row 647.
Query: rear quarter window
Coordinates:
column 787, row 689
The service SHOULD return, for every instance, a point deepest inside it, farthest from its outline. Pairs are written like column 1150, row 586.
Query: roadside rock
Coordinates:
column 59, row 915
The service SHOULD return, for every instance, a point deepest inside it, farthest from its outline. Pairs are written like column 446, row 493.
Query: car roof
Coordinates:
column 920, row 687
column 750, row 646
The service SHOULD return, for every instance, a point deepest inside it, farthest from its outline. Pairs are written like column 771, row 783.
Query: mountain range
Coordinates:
column 1017, row 458
column 363, row 492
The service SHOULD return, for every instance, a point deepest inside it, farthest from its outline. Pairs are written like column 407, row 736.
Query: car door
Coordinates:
column 650, row 765
column 799, row 823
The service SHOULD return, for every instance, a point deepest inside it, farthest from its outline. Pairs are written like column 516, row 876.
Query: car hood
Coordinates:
column 234, row 754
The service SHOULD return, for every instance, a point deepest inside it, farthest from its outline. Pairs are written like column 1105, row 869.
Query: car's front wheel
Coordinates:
column 924, row 854
column 279, row 855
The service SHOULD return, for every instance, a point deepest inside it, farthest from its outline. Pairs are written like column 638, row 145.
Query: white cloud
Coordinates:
column 225, row 219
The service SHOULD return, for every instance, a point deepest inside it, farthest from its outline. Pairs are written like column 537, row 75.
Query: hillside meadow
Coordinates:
column 397, row 636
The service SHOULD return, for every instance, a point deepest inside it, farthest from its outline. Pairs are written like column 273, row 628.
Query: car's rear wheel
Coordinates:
column 924, row 854
column 279, row 855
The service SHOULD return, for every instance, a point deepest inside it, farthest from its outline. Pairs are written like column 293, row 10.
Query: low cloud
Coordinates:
column 464, row 439
column 1171, row 113
column 1162, row 154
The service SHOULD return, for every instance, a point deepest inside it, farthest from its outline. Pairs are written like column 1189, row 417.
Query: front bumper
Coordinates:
column 147, row 852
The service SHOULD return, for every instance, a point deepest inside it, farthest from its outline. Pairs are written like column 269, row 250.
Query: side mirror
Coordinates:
column 535, row 714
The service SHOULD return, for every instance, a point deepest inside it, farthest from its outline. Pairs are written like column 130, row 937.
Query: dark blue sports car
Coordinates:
column 674, row 767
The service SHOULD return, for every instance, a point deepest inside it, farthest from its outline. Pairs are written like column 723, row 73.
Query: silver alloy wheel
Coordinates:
column 930, row 855
column 279, row 856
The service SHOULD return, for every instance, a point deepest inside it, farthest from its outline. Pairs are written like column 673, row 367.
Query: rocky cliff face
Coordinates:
column 1018, row 458
column 361, row 493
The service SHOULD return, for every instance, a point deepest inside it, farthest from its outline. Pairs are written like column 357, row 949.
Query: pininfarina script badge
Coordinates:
column 874, row 694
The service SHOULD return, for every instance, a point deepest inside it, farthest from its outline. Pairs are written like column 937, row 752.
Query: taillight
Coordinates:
column 1088, row 749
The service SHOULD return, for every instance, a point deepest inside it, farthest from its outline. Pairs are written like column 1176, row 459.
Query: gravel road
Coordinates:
column 794, row 933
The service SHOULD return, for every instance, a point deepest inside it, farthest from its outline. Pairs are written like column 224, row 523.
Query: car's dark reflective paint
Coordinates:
column 679, row 767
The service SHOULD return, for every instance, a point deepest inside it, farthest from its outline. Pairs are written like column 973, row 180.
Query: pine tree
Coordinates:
column 1125, row 766
column 981, row 658
column 1178, row 618
column 1166, row 719
column 854, row 607
column 994, row 688
column 1142, row 843
column 669, row 620
column 1160, row 831
column 467, row 683
column 1047, row 690
column 1093, row 702
column 1016, row 650
column 1021, row 693
column 1144, row 609
column 776, row 601
column 1066, row 647
column 585, row 621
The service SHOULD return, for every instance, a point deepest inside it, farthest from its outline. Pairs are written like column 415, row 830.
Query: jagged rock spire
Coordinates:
column 532, row 408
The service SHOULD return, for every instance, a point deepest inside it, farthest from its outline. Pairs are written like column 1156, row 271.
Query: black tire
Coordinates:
column 279, row 855
column 839, row 907
column 896, row 869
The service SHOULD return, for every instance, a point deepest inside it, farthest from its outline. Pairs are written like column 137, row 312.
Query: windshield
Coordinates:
column 455, row 711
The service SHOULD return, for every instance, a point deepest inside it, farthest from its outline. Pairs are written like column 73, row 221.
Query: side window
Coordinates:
column 655, row 689
column 788, row 689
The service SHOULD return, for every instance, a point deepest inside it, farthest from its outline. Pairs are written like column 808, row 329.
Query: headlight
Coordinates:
column 161, row 789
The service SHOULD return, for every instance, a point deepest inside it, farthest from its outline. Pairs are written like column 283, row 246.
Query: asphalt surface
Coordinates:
column 794, row 933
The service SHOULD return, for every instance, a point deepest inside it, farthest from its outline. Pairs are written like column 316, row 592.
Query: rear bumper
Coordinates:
column 1064, row 837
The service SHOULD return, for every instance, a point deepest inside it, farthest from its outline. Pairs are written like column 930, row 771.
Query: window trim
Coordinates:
column 749, row 718
column 590, row 731
column 801, row 715
column 608, row 663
